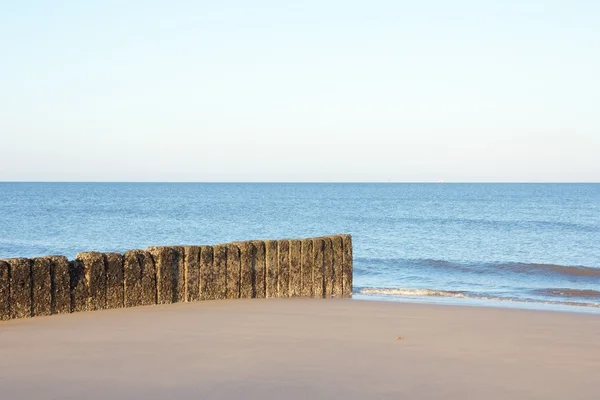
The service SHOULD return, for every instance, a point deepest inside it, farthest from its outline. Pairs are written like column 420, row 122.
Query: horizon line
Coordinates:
column 311, row 182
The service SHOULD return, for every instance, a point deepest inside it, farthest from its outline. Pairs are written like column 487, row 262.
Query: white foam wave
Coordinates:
column 413, row 292
column 464, row 295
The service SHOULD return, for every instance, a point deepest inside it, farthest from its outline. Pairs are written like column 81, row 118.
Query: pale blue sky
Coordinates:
column 314, row 91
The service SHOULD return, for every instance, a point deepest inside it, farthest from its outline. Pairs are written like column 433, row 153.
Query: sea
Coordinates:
column 500, row 245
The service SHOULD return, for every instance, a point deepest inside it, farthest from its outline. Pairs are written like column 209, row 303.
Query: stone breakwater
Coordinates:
column 315, row 267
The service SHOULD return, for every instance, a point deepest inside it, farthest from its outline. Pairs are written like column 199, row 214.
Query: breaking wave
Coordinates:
column 565, row 292
column 413, row 292
column 398, row 292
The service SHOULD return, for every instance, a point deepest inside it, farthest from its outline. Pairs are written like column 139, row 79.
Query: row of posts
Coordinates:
column 316, row 267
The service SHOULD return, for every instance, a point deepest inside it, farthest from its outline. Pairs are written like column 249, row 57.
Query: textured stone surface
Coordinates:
column 307, row 262
column 347, row 267
column 272, row 268
column 132, row 279
column 80, row 292
column 61, row 285
column 41, row 279
column 247, row 274
column 192, row 272
column 319, row 267
column 140, row 279
column 318, row 273
column 283, row 287
column 233, row 271
column 95, row 273
column 328, row 266
column 220, row 271
column 259, row 289
column 115, row 280
column 180, row 282
column 338, row 261
column 149, row 282
column 208, row 288
column 295, row 268
column 4, row 291
column 170, row 273
column 20, row 287
column 164, row 262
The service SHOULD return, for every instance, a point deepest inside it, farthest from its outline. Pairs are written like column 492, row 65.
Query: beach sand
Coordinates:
column 302, row 349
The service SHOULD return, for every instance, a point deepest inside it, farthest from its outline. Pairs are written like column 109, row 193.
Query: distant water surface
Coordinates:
column 525, row 245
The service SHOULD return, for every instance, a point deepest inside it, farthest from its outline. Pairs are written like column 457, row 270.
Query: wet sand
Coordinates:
column 302, row 349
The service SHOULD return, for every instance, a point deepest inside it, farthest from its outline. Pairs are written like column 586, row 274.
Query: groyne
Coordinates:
column 315, row 267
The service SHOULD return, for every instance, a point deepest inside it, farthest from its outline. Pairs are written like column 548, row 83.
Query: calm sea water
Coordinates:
column 525, row 245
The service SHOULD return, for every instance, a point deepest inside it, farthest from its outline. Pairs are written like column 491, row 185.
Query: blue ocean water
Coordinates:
column 525, row 245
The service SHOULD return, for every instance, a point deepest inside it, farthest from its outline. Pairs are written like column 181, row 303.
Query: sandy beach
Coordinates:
column 302, row 349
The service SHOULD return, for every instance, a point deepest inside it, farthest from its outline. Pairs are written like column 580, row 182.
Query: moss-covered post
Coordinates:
column 220, row 271
column 4, row 291
column 338, row 262
column 192, row 272
column 115, row 295
column 61, row 285
column 259, row 277
column 328, row 266
column 179, row 276
column 207, row 274
column 79, row 287
column 233, row 271
column 247, row 274
column 307, row 261
column 295, row 268
column 347, row 265
column 283, row 286
column 272, row 267
column 41, row 279
column 20, row 287
column 140, row 287
column 170, row 273
column 94, row 270
column 318, row 281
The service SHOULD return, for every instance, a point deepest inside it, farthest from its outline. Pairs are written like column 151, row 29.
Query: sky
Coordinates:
column 241, row 90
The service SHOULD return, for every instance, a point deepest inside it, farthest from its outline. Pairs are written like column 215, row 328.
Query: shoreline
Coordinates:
column 299, row 348
column 509, row 304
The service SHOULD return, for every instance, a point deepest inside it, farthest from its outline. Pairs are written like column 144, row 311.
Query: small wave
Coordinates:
column 466, row 295
column 486, row 267
column 413, row 292
column 583, row 293
column 565, row 270
column 521, row 224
